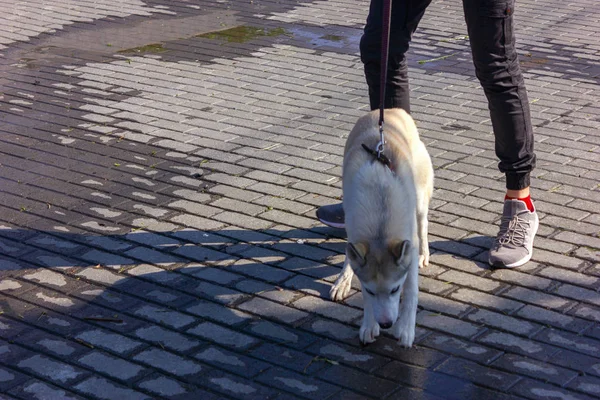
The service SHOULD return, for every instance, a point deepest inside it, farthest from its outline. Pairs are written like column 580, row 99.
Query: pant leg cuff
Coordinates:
column 517, row 181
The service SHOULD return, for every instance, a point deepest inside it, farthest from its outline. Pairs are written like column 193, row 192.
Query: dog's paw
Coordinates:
column 340, row 289
column 368, row 333
column 405, row 333
column 423, row 260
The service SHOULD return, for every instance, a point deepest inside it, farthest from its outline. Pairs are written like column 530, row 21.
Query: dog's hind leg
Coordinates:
column 341, row 287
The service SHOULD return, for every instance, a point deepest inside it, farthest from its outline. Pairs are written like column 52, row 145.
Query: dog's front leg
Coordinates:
column 422, row 225
column 404, row 327
column 342, row 284
column 369, row 329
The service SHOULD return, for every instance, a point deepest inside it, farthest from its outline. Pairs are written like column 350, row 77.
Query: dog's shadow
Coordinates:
column 473, row 247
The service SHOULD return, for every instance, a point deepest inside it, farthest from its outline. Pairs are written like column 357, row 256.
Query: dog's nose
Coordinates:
column 385, row 325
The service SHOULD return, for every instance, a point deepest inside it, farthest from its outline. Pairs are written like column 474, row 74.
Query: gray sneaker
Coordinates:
column 513, row 246
column 332, row 215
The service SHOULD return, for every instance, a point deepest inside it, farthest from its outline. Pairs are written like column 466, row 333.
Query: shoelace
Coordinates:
column 514, row 231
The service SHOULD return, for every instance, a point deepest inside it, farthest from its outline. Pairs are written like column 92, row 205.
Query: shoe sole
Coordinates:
column 521, row 261
column 333, row 224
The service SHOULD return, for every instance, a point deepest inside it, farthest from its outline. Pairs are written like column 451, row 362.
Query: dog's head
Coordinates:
column 382, row 269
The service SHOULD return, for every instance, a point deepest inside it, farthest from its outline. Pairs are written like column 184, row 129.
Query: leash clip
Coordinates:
column 380, row 146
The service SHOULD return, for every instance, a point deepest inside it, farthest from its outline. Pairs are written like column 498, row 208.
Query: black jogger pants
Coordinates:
column 491, row 33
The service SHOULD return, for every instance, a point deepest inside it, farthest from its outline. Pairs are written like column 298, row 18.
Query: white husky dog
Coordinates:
column 386, row 222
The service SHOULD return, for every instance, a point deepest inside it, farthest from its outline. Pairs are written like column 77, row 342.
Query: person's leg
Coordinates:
column 406, row 15
column 492, row 37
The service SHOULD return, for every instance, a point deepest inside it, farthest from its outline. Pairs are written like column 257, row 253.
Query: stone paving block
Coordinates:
column 288, row 358
column 216, row 293
column 569, row 341
column 115, row 367
column 447, row 324
column 478, row 374
column 309, row 267
column 461, row 348
column 297, row 384
column 442, row 385
column 485, row 300
column 504, row 322
column 51, row 369
column 327, row 308
column 223, row 336
column 165, row 316
column 544, row 300
column 232, row 362
column 260, row 271
column 533, row 389
column 9, row 378
column 470, row 281
column 163, row 386
column 519, row 345
column 280, row 334
column 358, row 381
column 535, row 369
column 443, row 305
column 521, row 279
column 571, row 277
column 169, row 362
column 236, row 387
column 103, row 389
column 167, row 339
column 274, row 310
column 34, row 389
column 553, row 318
column 218, row 312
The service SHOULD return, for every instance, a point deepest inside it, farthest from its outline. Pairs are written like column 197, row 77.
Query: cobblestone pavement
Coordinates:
column 158, row 187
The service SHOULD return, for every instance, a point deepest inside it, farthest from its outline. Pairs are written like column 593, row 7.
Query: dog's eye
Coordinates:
column 395, row 290
column 370, row 292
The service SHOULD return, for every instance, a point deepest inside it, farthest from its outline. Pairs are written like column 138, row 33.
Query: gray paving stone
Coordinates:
column 447, row 324
column 218, row 312
column 527, row 347
column 461, row 348
column 109, row 341
column 163, row 386
column 104, row 389
column 535, row 369
column 297, row 384
column 235, row 386
column 165, row 316
column 327, row 308
column 34, row 389
column 115, row 367
column 232, row 362
column 168, row 362
column 274, row 310
column 50, row 369
column 476, row 373
column 223, row 336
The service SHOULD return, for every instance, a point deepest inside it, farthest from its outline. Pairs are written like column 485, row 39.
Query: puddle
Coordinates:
column 149, row 48
column 244, row 33
column 317, row 38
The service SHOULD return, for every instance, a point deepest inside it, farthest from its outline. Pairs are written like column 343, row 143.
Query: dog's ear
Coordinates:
column 358, row 252
column 399, row 249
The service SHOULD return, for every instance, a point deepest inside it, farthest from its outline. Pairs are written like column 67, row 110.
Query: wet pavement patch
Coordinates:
column 149, row 48
column 244, row 33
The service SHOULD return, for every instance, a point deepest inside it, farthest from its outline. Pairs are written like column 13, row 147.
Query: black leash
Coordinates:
column 385, row 41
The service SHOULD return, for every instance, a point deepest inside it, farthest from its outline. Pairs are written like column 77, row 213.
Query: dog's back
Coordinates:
column 377, row 201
